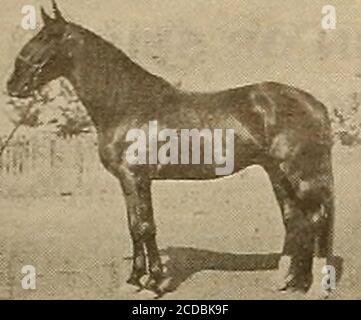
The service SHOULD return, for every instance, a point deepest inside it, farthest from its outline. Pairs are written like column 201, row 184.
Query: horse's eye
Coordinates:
column 41, row 37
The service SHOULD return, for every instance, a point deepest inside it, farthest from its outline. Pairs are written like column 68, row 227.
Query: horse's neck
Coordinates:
column 106, row 80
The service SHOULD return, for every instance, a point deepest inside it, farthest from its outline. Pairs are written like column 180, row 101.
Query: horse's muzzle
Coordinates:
column 16, row 91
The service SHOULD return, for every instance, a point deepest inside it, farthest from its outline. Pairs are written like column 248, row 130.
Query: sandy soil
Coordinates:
column 219, row 239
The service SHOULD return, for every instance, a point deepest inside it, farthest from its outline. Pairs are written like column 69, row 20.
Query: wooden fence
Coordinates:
column 45, row 164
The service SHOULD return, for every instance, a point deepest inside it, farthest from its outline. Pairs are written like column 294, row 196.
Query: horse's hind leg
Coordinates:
column 324, row 229
column 309, row 225
column 287, row 275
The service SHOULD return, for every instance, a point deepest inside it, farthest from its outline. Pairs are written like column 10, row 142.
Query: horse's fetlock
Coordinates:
column 318, row 220
column 156, row 271
column 143, row 231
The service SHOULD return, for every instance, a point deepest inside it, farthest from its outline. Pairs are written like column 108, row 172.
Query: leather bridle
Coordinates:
column 37, row 68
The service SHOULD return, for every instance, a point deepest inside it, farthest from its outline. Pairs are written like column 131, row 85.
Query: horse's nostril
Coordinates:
column 13, row 93
column 10, row 86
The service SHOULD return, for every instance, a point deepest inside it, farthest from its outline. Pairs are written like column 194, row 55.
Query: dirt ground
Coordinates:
column 219, row 239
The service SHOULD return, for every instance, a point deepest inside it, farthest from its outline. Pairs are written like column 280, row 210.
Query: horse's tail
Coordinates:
column 327, row 187
column 326, row 235
column 329, row 210
column 329, row 198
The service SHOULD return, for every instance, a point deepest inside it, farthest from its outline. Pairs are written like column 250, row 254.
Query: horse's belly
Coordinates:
column 243, row 155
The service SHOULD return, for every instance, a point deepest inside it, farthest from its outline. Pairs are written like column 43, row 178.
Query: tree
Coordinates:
column 67, row 113
column 347, row 125
column 74, row 119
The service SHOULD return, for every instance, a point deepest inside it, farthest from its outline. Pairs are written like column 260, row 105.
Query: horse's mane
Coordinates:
column 113, row 55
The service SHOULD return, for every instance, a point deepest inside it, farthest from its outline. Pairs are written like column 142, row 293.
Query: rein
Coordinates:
column 37, row 69
column 13, row 131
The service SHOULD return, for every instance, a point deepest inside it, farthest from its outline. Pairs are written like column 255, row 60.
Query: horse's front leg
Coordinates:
column 131, row 194
column 286, row 276
column 137, row 191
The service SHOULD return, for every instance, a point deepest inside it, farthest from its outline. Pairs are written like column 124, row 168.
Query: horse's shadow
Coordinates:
column 184, row 262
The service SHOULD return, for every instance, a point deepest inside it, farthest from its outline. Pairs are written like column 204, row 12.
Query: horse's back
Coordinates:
column 284, row 104
column 289, row 109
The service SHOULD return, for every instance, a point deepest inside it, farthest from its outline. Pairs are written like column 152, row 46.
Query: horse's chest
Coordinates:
column 112, row 147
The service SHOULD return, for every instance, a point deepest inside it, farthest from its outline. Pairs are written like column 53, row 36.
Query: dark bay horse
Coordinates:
column 281, row 128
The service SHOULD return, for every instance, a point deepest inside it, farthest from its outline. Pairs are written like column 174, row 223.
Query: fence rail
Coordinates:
column 45, row 164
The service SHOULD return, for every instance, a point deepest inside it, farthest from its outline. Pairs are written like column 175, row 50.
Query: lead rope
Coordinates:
column 14, row 130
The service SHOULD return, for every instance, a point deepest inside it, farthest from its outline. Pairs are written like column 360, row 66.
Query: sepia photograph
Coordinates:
column 164, row 150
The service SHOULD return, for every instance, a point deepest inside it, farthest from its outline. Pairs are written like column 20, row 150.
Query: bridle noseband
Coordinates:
column 37, row 68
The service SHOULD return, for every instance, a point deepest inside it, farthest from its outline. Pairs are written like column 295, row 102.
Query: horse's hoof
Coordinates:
column 286, row 284
column 159, row 286
column 150, row 283
column 165, row 285
column 134, row 281
column 316, row 292
column 283, row 278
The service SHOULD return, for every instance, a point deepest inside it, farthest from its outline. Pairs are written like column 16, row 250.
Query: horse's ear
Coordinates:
column 46, row 18
column 57, row 14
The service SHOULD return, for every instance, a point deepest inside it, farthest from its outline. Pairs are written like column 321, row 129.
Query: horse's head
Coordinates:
column 44, row 58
